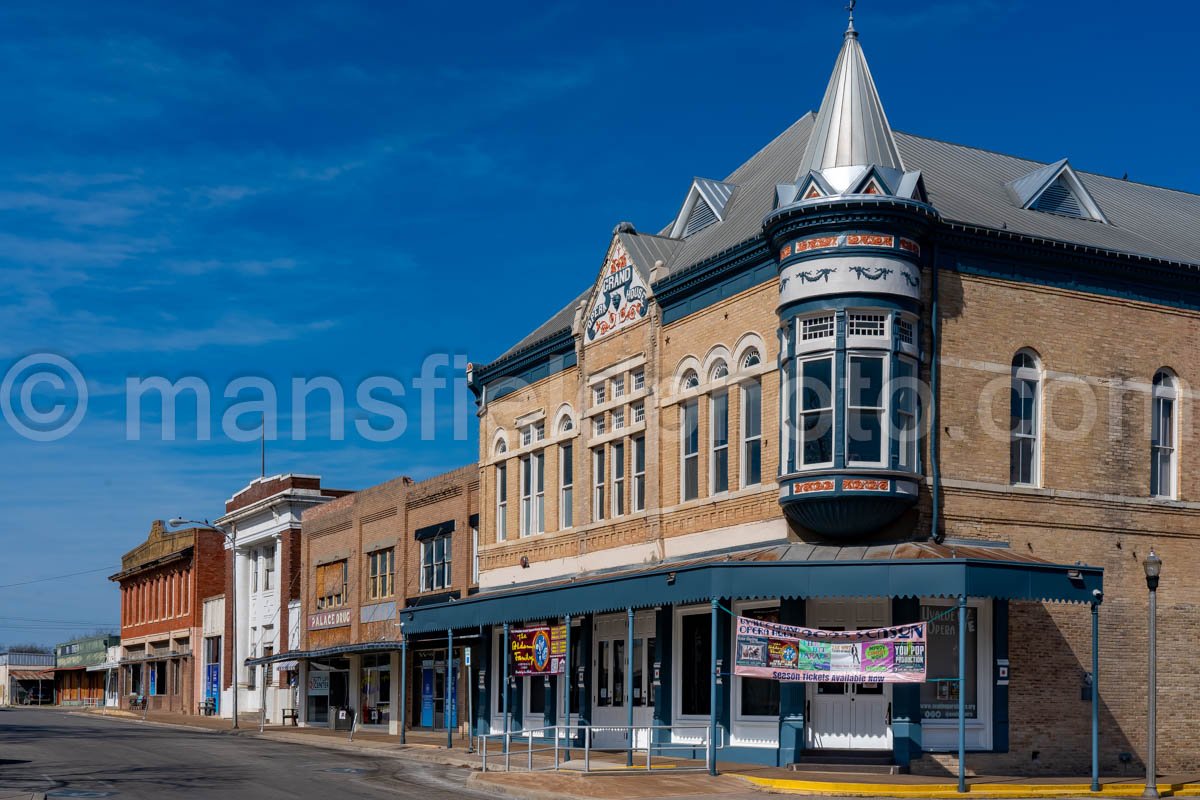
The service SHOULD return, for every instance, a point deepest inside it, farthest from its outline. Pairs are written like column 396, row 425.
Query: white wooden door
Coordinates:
column 849, row 716
column 613, row 689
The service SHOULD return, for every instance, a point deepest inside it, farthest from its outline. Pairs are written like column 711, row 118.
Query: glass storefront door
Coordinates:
column 376, row 689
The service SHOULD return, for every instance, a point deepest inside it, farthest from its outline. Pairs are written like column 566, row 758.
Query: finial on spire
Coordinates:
column 850, row 32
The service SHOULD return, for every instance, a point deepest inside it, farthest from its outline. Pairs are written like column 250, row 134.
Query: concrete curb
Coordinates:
column 949, row 791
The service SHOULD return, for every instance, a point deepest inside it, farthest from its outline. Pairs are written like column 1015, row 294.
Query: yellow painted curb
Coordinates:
column 946, row 791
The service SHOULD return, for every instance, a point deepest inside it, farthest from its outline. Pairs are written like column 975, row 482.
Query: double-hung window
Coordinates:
column 566, row 482
column 435, row 563
column 598, row 484
column 381, row 566
column 751, row 433
column 816, row 411
column 501, row 501
column 618, row 478
column 904, row 395
column 865, row 409
column 639, row 473
column 690, row 450
column 719, row 424
column 638, row 379
column 533, row 493
column 1024, row 428
column 1162, row 435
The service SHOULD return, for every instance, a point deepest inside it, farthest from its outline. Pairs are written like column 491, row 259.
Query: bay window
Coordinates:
column 816, row 411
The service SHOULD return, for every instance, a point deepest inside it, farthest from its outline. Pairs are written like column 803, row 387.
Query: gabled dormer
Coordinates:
column 1056, row 189
column 705, row 204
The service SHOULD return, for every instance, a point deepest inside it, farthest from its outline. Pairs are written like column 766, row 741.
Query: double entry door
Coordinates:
column 613, row 688
column 848, row 716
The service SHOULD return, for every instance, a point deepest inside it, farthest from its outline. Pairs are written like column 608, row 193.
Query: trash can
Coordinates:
column 341, row 718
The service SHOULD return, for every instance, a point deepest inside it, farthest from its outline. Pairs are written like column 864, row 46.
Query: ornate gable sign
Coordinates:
column 620, row 298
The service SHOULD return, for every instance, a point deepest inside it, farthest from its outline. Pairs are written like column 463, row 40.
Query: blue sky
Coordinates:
column 342, row 189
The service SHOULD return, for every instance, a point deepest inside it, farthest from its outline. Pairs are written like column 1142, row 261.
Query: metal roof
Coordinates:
column 852, row 128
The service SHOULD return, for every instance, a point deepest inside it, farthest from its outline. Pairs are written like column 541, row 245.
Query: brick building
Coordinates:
column 867, row 379
column 264, row 519
column 164, row 582
column 368, row 557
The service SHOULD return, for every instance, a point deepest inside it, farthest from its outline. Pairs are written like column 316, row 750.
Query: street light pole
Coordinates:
column 231, row 540
column 1153, row 567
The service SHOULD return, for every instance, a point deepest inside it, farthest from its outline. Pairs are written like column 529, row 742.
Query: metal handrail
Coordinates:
column 651, row 747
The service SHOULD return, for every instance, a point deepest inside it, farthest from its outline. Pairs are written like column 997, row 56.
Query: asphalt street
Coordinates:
column 67, row 755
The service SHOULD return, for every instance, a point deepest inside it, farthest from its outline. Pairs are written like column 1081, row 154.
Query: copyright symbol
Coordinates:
column 44, row 397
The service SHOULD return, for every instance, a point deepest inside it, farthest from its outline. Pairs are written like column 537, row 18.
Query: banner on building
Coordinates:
column 539, row 651
column 894, row 654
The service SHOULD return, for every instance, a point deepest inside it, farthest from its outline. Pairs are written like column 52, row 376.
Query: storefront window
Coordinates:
column 760, row 696
column 939, row 698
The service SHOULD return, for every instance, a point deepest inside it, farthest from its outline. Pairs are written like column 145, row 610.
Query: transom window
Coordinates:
column 813, row 328
column 858, row 324
column 1024, row 425
column 690, row 380
column 751, row 359
column 720, row 370
column 1162, row 435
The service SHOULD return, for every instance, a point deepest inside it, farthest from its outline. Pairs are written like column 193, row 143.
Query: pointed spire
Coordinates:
column 851, row 128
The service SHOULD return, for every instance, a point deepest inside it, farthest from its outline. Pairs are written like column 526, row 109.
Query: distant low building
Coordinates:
column 75, row 683
column 26, row 678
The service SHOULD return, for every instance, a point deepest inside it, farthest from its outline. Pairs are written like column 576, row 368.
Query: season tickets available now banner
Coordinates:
column 895, row 654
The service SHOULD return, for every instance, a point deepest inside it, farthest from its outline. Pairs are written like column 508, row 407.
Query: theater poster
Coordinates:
column 895, row 654
column 538, row 651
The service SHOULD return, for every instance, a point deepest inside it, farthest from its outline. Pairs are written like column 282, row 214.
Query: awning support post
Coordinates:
column 451, row 713
column 403, row 688
column 507, row 691
column 712, row 696
column 566, row 687
column 629, row 683
column 1095, row 697
column 962, row 693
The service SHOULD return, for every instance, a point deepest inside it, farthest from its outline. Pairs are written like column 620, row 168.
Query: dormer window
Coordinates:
column 1056, row 189
column 704, row 205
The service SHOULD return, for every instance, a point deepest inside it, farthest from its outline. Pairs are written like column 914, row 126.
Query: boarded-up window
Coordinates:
column 331, row 585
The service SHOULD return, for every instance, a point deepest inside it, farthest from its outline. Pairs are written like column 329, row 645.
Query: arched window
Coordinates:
column 501, row 447
column 720, row 370
column 690, row 380
column 1162, row 435
column 751, row 359
column 1025, row 427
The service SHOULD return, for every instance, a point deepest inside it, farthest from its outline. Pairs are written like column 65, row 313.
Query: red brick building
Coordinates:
column 164, row 582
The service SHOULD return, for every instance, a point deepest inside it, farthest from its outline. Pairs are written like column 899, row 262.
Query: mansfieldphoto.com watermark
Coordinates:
column 44, row 397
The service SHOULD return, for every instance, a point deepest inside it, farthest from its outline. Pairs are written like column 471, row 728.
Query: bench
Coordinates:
column 292, row 714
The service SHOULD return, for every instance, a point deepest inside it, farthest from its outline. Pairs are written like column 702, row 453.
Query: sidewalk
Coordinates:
column 670, row 778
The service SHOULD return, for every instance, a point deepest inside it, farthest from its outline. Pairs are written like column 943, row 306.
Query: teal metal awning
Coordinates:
column 911, row 569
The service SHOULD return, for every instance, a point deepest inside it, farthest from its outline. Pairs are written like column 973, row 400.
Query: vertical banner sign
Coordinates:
column 452, row 694
column 874, row 655
column 539, row 651
column 212, row 689
column 427, row 697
